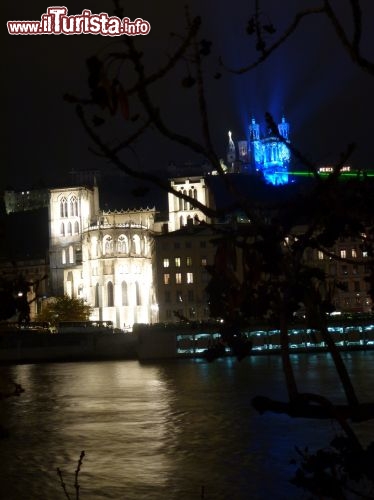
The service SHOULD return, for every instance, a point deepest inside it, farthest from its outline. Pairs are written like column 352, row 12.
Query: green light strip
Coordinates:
column 368, row 173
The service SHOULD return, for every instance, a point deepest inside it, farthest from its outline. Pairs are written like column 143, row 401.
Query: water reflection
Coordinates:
column 162, row 430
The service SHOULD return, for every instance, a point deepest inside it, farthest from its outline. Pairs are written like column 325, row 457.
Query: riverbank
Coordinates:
column 31, row 347
column 152, row 342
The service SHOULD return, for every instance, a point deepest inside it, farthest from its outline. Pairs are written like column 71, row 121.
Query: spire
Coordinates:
column 284, row 128
column 231, row 152
column 254, row 130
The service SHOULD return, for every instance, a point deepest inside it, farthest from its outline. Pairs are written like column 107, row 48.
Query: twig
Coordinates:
column 62, row 482
column 76, row 483
column 289, row 31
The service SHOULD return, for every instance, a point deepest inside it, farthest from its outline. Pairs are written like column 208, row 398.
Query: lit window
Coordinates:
column 63, row 207
column 124, row 290
column 122, row 244
column 203, row 261
column 320, row 255
column 189, row 278
column 73, row 206
column 138, row 295
column 178, row 278
column 166, row 279
column 108, row 245
column 343, row 254
column 364, row 254
column 63, row 257
column 135, row 246
column 354, row 253
column 166, row 263
column 188, row 261
column 190, row 194
column 177, row 262
column 71, row 255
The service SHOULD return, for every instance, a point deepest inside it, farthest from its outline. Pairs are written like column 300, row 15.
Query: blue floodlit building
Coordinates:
column 266, row 153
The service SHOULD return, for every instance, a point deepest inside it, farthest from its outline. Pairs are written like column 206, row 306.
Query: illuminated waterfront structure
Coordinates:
column 134, row 266
column 103, row 257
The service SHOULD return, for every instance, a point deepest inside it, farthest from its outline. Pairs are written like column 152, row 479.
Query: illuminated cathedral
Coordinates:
column 267, row 154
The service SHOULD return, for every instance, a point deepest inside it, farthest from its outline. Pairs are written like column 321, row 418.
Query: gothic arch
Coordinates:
column 97, row 295
column 73, row 206
column 63, row 207
column 122, row 244
column 70, row 284
column 71, row 254
column 108, row 245
column 190, row 194
column 136, row 244
column 110, row 294
column 185, row 202
column 138, row 296
column 124, row 290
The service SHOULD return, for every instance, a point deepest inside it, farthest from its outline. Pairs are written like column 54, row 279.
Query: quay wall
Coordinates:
column 29, row 347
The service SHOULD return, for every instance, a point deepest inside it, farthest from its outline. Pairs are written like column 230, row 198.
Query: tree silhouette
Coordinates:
column 272, row 248
column 65, row 308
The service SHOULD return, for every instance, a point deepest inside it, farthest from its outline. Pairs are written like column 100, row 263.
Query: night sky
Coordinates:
column 327, row 100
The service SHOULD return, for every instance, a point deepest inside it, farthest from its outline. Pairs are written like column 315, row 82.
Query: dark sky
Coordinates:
column 327, row 100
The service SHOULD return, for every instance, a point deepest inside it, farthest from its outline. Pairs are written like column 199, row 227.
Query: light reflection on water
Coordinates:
column 162, row 430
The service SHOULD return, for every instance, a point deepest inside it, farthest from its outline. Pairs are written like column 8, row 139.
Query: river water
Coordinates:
column 183, row 429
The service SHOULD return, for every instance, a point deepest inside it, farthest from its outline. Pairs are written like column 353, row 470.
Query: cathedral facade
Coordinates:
column 102, row 257
column 107, row 258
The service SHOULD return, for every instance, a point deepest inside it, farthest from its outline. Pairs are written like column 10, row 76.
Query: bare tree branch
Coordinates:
column 145, row 176
column 267, row 52
column 353, row 49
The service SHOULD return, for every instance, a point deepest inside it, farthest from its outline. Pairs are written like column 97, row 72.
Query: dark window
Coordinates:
column 110, row 294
